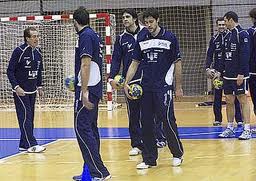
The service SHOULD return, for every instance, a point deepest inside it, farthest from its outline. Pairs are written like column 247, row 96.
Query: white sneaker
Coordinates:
column 246, row 135
column 102, row 179
column 135, row 151
column 22, row 149
column 36, row 149
column 253, row 131
column 143, row 165
column 227, row 133
column 177, row 161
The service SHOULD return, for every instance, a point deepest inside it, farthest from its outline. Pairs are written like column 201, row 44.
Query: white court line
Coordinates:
column 23, row 152
column 17, row 139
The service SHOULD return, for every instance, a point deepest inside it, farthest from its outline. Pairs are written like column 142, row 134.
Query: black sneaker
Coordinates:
column 77, row 177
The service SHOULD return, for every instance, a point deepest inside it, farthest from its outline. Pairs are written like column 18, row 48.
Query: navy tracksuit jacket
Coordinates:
column 25, row 70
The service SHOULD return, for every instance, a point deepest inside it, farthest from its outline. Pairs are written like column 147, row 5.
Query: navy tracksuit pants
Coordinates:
column 252, row 87
column 217, row 106
column 160, row 104
column 25, row 110
column 134, row 114
column 85, row 125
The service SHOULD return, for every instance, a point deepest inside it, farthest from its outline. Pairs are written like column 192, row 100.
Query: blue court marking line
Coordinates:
column 48, row 134
column 9, row 137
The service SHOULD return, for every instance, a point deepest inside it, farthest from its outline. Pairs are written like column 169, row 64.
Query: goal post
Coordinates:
column 57, row 42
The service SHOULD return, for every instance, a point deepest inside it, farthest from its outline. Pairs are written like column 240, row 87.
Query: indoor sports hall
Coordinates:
column 206, row 156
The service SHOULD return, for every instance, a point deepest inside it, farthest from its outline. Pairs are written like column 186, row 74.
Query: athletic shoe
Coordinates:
column 246, row 135
column 22, row 149
column 143, row 165
column 135, row 151
column 253, row 131
column 36, row 149
column 177, row 161
column 216, row 123
column 227, row 133
column 101, row 179
column 77, row 177
column 160, row 144
column 240, row 124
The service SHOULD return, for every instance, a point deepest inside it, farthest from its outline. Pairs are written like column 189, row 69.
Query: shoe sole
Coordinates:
column 37, row 151
column 179, row 164
column 22, row 149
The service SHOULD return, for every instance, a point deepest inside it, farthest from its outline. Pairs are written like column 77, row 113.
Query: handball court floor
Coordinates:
column 207, row 158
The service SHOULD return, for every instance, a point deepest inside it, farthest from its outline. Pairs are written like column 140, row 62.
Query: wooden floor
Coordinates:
column 204, row 160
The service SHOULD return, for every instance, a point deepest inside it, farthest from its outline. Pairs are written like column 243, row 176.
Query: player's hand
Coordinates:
column 114, row 84
column 126, row 90
column 240, row 79
column 216, row 75
column 40, row 92
column 178, row 94
column 86, row 101
column 20, row 91
column 210, row 73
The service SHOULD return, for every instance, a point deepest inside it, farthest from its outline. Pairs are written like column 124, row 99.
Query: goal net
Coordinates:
column 57, row 42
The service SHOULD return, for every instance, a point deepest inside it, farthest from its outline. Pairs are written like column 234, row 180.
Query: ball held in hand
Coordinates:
column 70, row 83
column 135, row 91
column 120, row 81
column 217, row 83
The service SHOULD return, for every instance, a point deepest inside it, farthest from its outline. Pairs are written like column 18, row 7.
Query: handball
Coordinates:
column 217, row 83
column 135, row 91
column 70, row 83
column 120, row 81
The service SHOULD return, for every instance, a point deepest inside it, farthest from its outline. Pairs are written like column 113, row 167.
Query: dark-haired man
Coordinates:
column 157, row 51
column 25, row 75
column 88, row 91
column 252, row 67
column 236, row 74
column 214, row 62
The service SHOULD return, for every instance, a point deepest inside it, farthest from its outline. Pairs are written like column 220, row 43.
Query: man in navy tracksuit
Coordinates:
column 214, row 62
column 157, row 51
column 122, row 54
column 236, row 74
column 252, row 67
column 25, row 75
column 88, row 91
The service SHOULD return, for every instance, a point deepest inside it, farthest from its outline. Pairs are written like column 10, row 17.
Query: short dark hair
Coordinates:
column 232, row 15
column 252, row 13
column 132, row 12
column 82, row 16
column 151, row 12
column 219, row 19
column 27, row 32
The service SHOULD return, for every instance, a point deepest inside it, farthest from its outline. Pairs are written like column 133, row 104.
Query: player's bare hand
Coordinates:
column 40, row 92
column 126, row 90
column 240, row 79
column 178, row 94
column 210, row 73
column 86, row 101
column 20, row 91
column 114, row 84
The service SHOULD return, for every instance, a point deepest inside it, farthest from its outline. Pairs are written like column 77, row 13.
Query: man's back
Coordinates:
column 89, row 44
